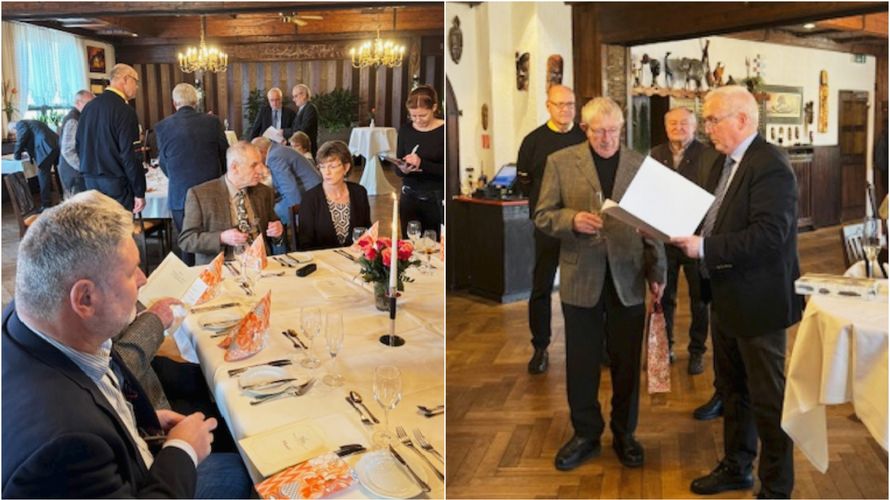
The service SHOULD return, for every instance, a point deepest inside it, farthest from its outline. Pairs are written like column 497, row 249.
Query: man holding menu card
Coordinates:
column 747, row 251
column 604, row 269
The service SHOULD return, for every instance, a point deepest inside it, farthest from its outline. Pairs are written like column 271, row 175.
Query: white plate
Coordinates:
column 301, row 258
column 219, row 321
column 266, row 373
column 381, row 474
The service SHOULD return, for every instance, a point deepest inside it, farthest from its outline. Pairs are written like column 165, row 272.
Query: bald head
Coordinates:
column 124, row 79
column 561, row 106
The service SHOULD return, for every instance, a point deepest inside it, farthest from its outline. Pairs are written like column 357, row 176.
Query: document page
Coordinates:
column 171, row 279
column 661, row 202
column 274, row 134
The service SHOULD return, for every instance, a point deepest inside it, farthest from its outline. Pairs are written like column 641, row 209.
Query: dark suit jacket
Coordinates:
column 39, row 141
column 316, row 226
column 292, row 176
column 751, row 254
column 61, row 437
column 106, row 131
column 191, row 150
column 264, row 121
column 696, row 157
column 208, row 213
column 306, row 120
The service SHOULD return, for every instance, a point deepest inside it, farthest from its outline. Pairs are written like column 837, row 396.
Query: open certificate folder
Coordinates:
column 661, row 202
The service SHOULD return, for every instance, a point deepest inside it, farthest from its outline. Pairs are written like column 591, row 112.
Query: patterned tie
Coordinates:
column 275, row 119
column 241, row 212
column 711, row 217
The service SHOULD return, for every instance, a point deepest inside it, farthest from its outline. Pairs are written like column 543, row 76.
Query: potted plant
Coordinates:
column 337, row 113
column 9, row 93
column 375, row 265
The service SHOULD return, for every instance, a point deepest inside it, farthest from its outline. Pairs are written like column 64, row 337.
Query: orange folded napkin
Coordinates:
column 257, row 250
column 249, row 337
column 212, row 277
column 319, row 477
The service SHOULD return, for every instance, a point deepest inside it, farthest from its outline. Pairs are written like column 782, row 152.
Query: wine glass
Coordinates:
column 251, row 268
column 428, row 247
column 871, row 244
column 414, row 230
column 595, row 209
column 357, row 233
column 333, row 335
column 387, row 393
column 310, row 321
column 240, row 252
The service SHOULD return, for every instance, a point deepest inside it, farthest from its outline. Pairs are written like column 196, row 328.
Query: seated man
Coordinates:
column 230, row 211
column 75, row 418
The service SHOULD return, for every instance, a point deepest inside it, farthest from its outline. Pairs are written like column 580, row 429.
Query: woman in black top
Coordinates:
column 422, row 146
column 332, row 209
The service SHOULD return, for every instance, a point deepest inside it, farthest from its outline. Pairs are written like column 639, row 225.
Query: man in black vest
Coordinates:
column 559, row 132
column 69, row 163
column 42, row 145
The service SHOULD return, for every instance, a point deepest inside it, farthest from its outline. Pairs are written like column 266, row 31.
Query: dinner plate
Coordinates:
column 382, row 475
column 301, row 258
column 260, row 378
column 222, row 320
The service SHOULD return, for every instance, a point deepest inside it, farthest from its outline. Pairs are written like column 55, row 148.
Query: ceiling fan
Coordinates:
column 299, row 20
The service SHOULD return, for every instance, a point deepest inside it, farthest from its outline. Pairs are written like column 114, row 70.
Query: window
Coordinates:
column 51, row 66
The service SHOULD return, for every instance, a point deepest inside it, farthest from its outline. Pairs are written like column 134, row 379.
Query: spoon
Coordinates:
column 357, row 399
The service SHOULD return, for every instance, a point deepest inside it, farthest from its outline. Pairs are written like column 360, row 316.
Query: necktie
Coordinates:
column 711, row 217
column 241, row 213
column 275, row 119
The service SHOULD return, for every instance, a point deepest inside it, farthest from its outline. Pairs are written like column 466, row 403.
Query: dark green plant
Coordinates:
column 337, row 109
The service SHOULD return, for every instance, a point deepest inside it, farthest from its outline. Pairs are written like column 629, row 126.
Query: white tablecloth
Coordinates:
column 839, row 355
column 11, row 166
column 369, row 142
column 421, row 360
column 156, row 206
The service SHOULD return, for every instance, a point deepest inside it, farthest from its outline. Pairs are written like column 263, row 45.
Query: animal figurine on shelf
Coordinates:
column 717, row 77
column 687, row 70
column 654, row 68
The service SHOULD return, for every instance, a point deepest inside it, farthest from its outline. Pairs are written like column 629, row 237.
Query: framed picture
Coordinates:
column 97, row 86
column 783, row 104
column 96, row 59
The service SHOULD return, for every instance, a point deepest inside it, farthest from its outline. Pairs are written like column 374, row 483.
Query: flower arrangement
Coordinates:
column 376, row 258
column 9, row 93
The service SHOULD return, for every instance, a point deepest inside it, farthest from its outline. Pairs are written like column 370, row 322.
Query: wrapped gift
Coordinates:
column 319, row 477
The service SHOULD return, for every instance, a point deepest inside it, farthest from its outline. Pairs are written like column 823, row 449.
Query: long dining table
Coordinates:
column 335, row 287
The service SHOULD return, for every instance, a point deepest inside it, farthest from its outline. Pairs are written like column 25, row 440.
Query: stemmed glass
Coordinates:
column 333, row 334
column 357, row 233
column 595, row 209
column 871, row 244
column 428, row 247
column 240, row 252
column 414, row 230
column 310, row 321
column 387, row 393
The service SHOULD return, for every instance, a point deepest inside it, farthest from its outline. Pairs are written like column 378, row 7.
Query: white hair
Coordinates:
column 120, row 71
column 737, row 99
column 82, row 96
column 184, row 94
column 69, row 242
column 237, row 154
column 274, row 90
column 304, row 88
column 601, row 107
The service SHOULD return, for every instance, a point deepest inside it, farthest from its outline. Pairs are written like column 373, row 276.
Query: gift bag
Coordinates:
column 658, row 364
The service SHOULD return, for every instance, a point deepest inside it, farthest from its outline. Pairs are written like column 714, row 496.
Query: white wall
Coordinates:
column 493, row 33
column 109, row 57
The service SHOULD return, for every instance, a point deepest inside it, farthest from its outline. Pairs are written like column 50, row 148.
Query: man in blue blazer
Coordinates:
column 106, row 134
column 274, row 114
column 292, row 176
column 42, row 146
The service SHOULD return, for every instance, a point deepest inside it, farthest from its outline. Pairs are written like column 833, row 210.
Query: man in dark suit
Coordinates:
column 232, row 210
column 273, row 115
column 559, row 132
column 748, row 257
column 306, row 119
column 69, row 162
column 191, row 150
column 604, row 269
column 683, row 153
column 292, row 176
column 74, row 417
column 106, row 134
column 42, row 145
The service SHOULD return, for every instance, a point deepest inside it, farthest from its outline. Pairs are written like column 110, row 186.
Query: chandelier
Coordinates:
column 377, row 52
column 203, row 58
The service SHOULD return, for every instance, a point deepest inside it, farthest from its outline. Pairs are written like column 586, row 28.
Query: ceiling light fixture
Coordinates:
column 203, row 58
column 809, row 26
column 378, row 52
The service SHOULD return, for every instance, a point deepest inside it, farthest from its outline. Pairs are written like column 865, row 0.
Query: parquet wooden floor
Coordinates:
column 505, row 426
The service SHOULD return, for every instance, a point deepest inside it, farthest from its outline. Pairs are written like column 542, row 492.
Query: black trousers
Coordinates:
column 546, row 262
column 187, row 258
column 585, row 328
column 72, row 180
column 698, row 329
column 422, row 206
column 45, row 179
column 751, row 379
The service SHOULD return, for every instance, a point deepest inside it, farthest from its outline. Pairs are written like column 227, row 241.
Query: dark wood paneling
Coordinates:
column 826, row 182
column 802, row 164
column 852, row 140
column 587, row 52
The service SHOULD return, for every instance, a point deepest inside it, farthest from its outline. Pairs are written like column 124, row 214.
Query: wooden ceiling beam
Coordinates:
column 297, row 38
column 782, row 37
column 870, row 24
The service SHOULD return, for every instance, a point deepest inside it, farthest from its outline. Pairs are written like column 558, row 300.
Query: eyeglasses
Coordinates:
column 562, row 105
column 330, row 166
column 135, row 78
column 600, row 132
column 712, row 121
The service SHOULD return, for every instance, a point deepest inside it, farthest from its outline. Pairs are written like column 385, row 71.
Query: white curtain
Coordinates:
column 10, row 74
column 50, row 65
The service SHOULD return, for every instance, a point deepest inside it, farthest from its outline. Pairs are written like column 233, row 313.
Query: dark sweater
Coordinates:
column 431, row 150
column 605, row 170
column 533, row 153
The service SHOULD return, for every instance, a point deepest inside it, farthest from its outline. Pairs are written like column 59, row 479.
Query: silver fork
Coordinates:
column 421, row 440
column 294, row 391
column 403, row 437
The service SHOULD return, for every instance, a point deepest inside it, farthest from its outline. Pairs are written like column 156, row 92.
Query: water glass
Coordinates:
column 429, row 246
column 871, row 243
column 414, row 231
column 251, row 269
column 333, row 334
column 310, row 322
column 387, row 393
column 357, row 233
column 596, row 210
column 239, row 252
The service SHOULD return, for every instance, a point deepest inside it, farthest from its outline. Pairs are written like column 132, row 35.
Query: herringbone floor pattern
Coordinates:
column 505, row 426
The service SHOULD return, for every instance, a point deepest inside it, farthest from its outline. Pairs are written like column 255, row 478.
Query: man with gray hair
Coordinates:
column 306, row 119
column 75, row 419
column 747, row 254
column 69, row 163
column 273, row 115
column 232, row 210
column 604, row 269
column 191, row 150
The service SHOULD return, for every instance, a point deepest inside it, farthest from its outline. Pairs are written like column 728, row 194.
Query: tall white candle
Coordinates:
column 394, row 255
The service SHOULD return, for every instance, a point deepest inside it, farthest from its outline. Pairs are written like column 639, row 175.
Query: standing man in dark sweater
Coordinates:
column 559, row 132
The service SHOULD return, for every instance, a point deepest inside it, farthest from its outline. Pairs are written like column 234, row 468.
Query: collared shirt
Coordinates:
column 97, row 367
column 552, row 126
column 118, row 92
column 233, row 203
column 678, row 153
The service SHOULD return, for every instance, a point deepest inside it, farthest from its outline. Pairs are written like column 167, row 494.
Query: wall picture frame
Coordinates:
column 97, row 86
column 96, row 59
column 783, row 104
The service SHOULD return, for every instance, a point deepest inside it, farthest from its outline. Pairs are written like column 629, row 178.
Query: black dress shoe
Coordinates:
column 577, row 451
column 696, row 364
column 539, row 362
column 710, row 410
column 723, row 478
column 629, row 450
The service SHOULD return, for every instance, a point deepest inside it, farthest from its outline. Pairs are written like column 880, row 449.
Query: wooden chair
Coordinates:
column 145, row 228
column 26, row 211
column 294, row 227
column 851, row 236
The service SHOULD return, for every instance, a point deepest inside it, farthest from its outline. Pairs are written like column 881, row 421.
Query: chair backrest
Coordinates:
column 294, row 224
column 22, row 200
column 851, row 235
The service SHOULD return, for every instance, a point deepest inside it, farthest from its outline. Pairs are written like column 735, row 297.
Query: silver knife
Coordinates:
column 201, row 309
column 267, row 384
column 423, row 485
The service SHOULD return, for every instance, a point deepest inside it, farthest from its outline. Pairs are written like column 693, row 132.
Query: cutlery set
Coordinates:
column 355, row 400
column 406, row 441
column 291, row 335
column 431, row 412
column 289, row 391
column 344, row 253
column 284, row 262
column 277, row 362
